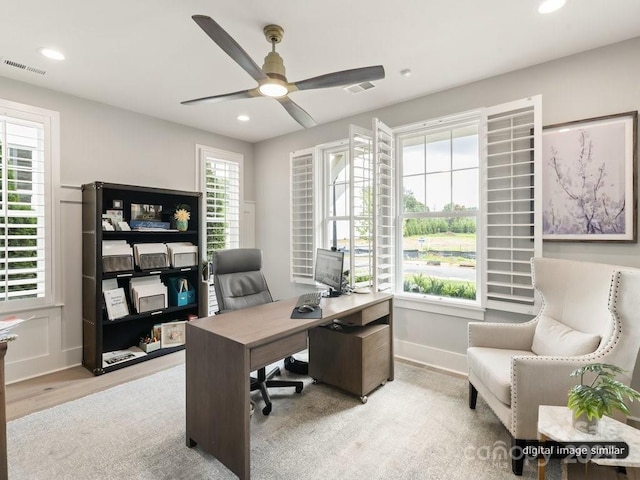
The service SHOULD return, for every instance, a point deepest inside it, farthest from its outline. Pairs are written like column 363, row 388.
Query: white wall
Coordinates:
column 100, row 142
column 104, row 143
column 599, row 82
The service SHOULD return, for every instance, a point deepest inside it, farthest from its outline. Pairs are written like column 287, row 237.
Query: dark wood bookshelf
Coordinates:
column 101, row 334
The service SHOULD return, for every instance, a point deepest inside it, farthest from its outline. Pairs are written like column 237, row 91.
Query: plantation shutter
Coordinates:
column 222, row 207
column 361, row 200
column 383, row 199
column 512, row 195
column 23, row 186
column 302, row 216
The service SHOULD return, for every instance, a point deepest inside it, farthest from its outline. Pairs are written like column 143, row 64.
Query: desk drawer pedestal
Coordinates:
column 356, row 360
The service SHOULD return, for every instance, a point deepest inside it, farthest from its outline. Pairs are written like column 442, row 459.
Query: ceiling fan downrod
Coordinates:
column 273, row 63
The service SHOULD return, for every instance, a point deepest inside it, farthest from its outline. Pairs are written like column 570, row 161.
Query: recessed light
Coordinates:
column 243, row 118
column 549, row 6
column 51, row 53
column 406, row 72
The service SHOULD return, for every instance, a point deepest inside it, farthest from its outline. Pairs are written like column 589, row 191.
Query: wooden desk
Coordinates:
column 223, row 350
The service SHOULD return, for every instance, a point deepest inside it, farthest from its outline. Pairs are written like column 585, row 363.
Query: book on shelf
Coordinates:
column 116, row 302
column 149, row 225
column 120, row 356
column 148, row 293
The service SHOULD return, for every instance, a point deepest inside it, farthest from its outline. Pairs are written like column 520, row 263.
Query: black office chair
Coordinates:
column 239, row 283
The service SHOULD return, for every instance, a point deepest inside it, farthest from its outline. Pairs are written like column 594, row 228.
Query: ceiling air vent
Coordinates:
column 22, row 66
column 359, row 87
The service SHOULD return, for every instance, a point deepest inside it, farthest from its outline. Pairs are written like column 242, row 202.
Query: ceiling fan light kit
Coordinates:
column 271, row 78
column 273, row 88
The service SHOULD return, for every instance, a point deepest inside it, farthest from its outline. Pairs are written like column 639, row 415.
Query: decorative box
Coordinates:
column 150, row 347
column 117, row 263
column 180, row 292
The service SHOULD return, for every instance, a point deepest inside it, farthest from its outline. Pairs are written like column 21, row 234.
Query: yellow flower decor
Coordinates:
column 182, row 215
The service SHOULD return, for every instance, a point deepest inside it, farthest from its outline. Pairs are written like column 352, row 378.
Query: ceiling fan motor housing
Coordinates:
column 274, row 66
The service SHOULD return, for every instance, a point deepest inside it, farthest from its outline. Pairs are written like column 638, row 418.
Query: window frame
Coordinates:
column 50, row 121
column 204, row 152
column 439, row 304
column 325, row 217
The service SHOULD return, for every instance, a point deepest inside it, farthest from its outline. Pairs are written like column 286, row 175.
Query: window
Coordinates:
column 439, row 210
column 469, row 207
column 28, row 161
column 221, row 182
column 466, row 218
column 342, row 197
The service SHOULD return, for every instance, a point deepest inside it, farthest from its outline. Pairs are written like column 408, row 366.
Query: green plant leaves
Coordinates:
column 604, row 395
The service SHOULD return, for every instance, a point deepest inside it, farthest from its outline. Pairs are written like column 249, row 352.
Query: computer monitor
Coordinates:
column 329, row 265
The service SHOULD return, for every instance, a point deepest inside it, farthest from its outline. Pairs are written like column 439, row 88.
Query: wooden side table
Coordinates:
column 555, row 423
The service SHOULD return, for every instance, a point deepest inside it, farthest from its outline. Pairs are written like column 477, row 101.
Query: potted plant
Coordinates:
column 589, row 402
column 182, row 216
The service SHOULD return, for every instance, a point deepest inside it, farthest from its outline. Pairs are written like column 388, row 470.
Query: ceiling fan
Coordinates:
column 271, row 78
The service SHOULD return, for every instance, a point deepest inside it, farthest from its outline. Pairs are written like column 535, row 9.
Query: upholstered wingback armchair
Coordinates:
column 590, row 313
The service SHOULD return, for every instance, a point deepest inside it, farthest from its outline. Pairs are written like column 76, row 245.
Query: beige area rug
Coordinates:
column 416, row 427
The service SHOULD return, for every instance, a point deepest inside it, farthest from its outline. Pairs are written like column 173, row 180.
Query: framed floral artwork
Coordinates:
column 589, row 187
column 172, row 334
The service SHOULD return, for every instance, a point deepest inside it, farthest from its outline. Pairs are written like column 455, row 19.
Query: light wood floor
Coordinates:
column 40, row 393
column 33, row 395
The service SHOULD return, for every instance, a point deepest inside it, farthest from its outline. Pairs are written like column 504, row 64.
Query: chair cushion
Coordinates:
column 242, row 290
column 554, row 338
column 493, row 367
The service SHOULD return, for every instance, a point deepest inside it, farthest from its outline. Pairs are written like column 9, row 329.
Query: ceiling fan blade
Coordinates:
column 230, row 46
column 224, row 97
column 297, row 112
column 340, row 79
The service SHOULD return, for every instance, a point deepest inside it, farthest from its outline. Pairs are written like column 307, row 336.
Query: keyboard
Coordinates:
column 311, row 298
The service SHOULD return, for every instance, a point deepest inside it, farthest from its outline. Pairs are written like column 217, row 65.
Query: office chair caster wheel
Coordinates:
column 364, row 399
column 315, row 381
column 266, row 410
column 299, row 389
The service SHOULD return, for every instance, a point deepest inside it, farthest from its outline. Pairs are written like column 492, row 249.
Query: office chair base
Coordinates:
column 264, row 381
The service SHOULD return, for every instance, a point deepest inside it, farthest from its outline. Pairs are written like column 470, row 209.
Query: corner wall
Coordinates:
column 594, row 83
column 104, row 143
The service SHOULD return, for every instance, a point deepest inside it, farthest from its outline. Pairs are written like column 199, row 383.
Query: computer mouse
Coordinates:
column 306, row 308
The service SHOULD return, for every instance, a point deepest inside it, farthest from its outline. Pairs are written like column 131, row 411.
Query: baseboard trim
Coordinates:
column 452, row 362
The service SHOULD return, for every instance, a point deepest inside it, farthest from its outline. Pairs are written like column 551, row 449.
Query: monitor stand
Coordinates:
column 333, row 293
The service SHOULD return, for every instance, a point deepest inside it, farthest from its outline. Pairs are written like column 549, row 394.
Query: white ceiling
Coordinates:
column 149, row 55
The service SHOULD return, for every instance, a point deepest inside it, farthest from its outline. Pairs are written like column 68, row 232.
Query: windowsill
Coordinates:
column 20, row 311
column 439, row 305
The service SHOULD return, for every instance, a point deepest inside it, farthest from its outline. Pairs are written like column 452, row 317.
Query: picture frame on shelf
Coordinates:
column 172, row 334
column 117, row 204
column 589, row 178
column 146, row 212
